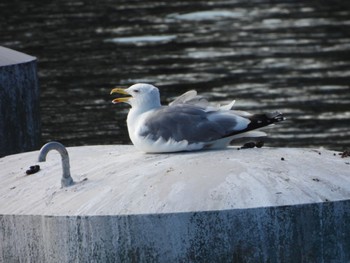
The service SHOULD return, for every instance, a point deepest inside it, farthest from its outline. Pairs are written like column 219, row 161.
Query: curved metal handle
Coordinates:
column 66, row 180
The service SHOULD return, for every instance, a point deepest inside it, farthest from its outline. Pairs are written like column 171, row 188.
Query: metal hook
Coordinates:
column 66, row 180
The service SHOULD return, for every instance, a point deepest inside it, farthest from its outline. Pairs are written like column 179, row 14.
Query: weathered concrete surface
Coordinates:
column 19, row 103
column 227, row 206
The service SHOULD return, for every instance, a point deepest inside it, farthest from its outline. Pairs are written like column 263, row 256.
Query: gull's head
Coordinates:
column 143, row 96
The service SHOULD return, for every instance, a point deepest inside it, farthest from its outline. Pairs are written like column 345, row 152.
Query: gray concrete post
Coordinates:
column 19, row 103
column 209, row 206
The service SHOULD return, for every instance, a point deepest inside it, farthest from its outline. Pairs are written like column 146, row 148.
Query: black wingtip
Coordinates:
column 261, row 120
column 275, row 116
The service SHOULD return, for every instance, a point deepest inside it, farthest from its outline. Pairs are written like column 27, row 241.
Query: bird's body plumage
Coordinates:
column 188, row 123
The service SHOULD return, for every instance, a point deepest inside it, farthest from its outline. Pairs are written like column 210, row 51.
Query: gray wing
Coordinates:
column 190, row 97
column 192, row 123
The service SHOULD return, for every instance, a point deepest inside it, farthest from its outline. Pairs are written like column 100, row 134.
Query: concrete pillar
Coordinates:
column 305, row 233
column 255, row 205
column 19, row 103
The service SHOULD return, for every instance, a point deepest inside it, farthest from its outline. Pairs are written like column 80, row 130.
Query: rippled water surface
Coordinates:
column 292, row 56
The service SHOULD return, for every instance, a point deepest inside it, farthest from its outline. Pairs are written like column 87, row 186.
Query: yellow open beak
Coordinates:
column 120, row 91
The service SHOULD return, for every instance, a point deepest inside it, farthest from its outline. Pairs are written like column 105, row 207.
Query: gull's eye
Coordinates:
column 136, row 91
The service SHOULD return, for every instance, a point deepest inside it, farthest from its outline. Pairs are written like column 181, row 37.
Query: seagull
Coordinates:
column 188, row 123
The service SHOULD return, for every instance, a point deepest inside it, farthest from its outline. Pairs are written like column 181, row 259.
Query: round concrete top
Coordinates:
column 11, row 57
column 119, row 180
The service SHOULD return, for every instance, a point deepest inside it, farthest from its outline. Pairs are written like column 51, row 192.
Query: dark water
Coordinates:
column 293, row 56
